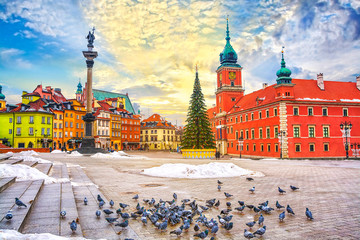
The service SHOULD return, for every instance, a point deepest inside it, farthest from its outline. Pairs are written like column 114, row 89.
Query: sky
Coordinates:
column 149, row 48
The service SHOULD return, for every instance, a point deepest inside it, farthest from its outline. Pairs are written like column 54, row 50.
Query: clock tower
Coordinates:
column 229, row 78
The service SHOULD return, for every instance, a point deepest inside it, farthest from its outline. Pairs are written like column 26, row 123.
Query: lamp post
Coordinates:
column 346, row 128
column 281, row 134
column 241, row 142
column 35, row 143
column 355, row 147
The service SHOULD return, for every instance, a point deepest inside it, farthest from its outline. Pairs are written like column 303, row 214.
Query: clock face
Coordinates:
column 232, row 75
column 220, row 77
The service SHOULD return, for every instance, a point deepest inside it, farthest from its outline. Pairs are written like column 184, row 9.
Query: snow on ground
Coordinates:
column 117, row 155
column 27, row 158
column 23, row 172
column 75, row 154
column 210, row 170
column 57, row 151
column 28, row 153
column 15, row 235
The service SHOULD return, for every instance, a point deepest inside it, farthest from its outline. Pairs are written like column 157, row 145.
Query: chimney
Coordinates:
column 265, row 85
column 48, row 88
column 358, row 82
column 320, row 81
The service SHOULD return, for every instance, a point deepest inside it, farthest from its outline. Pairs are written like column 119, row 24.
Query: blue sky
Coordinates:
column 149, row 48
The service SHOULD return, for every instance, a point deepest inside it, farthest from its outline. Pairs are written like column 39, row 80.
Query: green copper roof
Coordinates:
column 283, row 73
column 228, row 56
column 79, row 89
column 2, row 96
column 101, row 95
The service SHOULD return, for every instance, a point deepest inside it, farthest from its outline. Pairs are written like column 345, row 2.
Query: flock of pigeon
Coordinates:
column 188, row 213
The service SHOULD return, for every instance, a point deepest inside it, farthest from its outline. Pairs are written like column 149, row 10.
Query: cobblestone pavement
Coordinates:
column 330, row 189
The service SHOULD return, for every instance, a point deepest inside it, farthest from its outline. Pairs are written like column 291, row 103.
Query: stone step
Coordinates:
column 11, row 161
column 6, row 182
column 4, row 157
column 27, row 192
column 44, row 167
column 92, row 226
column 45, row 215
column 29, row 163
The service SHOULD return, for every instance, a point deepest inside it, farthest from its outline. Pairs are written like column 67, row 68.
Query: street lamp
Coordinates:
column 355, row 147
column 345, row 129
column 241, row 143
column 281, row 134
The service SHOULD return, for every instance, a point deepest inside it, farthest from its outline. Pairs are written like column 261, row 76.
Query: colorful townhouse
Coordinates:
column 158, row 134
column 292, row 118
column 27, row 125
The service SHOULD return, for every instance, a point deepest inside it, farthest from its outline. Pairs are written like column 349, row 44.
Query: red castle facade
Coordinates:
column 293, row 118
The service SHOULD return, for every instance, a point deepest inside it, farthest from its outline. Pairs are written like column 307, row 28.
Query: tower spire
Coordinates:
column 283, row 73
column 227, row 29
column 283, row 64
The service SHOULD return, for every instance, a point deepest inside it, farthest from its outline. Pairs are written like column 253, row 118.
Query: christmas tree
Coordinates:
column 197, row 133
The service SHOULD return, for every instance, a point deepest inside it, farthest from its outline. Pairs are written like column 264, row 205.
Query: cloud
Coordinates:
column 25, row 34
column 11, row 57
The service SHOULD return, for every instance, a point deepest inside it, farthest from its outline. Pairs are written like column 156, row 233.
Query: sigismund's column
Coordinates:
column 89, row 118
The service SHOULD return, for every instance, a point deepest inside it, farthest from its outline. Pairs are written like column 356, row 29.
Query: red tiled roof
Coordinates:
column 104, row 106
column 304, row 90
column 153, row 118
column 3, row 146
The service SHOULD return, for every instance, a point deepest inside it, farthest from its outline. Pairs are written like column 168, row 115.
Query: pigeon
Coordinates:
column 248, row 234
column 240, row 209
column 196, row 227
column 228, row 226
column 308, row 214
column 282, row 216
column 85, row 201
column 217, row 204
column 228, row 204
column 261, row 231
column 123, row 205
column 250, row 224
column 9, row 215
column 99, row 198
column 123, row 224
column 264, row 203
column 107, row 211
column 202, row 235
column 256, row 210
column 73, row 226
column 186, row 224
column 289, row 210
column 101, row 204
column 118, row 211
column 281, row 191
column 98, row 213
column 261, row 219
column 249, row 179
column 111, row 203
column 294, row 188
column 219, row 187
column 178, row 231
column 134, row 216
column 125, row 215
column 228, row 195
column 62, row 213
column 19, row 203
column 174, row 196
column 144, row 219
column 163, row 225
column 250, row 206
column 252, row 190
column 241, row 203
column 218, row 181
column 111, row 220
column 136, row 197
column 214, row 229
column 278, row 205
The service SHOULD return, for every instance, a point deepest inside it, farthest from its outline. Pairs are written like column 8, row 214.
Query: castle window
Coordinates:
column 252, row 133
column 296, row 111
column 326, row 131
column 267, row 113
column 268, row 147
column 232, row 83
column 233, row 99
column 345, row 112
column 326, row 147
column 297, row 148
column 312, row 147
column 275, row 112
column 324, row 112
column 254, row 147
column 310, row 111
column 246, row 118
column 260, row 115
column 311, row 131
column 260, row 133
column 296, row 132
column 252, row 116
column 276, row 147
column 262, row 147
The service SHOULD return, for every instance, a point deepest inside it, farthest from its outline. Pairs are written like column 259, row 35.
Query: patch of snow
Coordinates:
column 269, row 159
column 316, row 99
column 29, row 153
column 15, row 235
column 117, row 155
column 23, row 172
column 82, row 184
column 57, row 151
column 75, row 154
column 7, row 154
column 210, row 170
column 27, row 158
column 350, row 100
